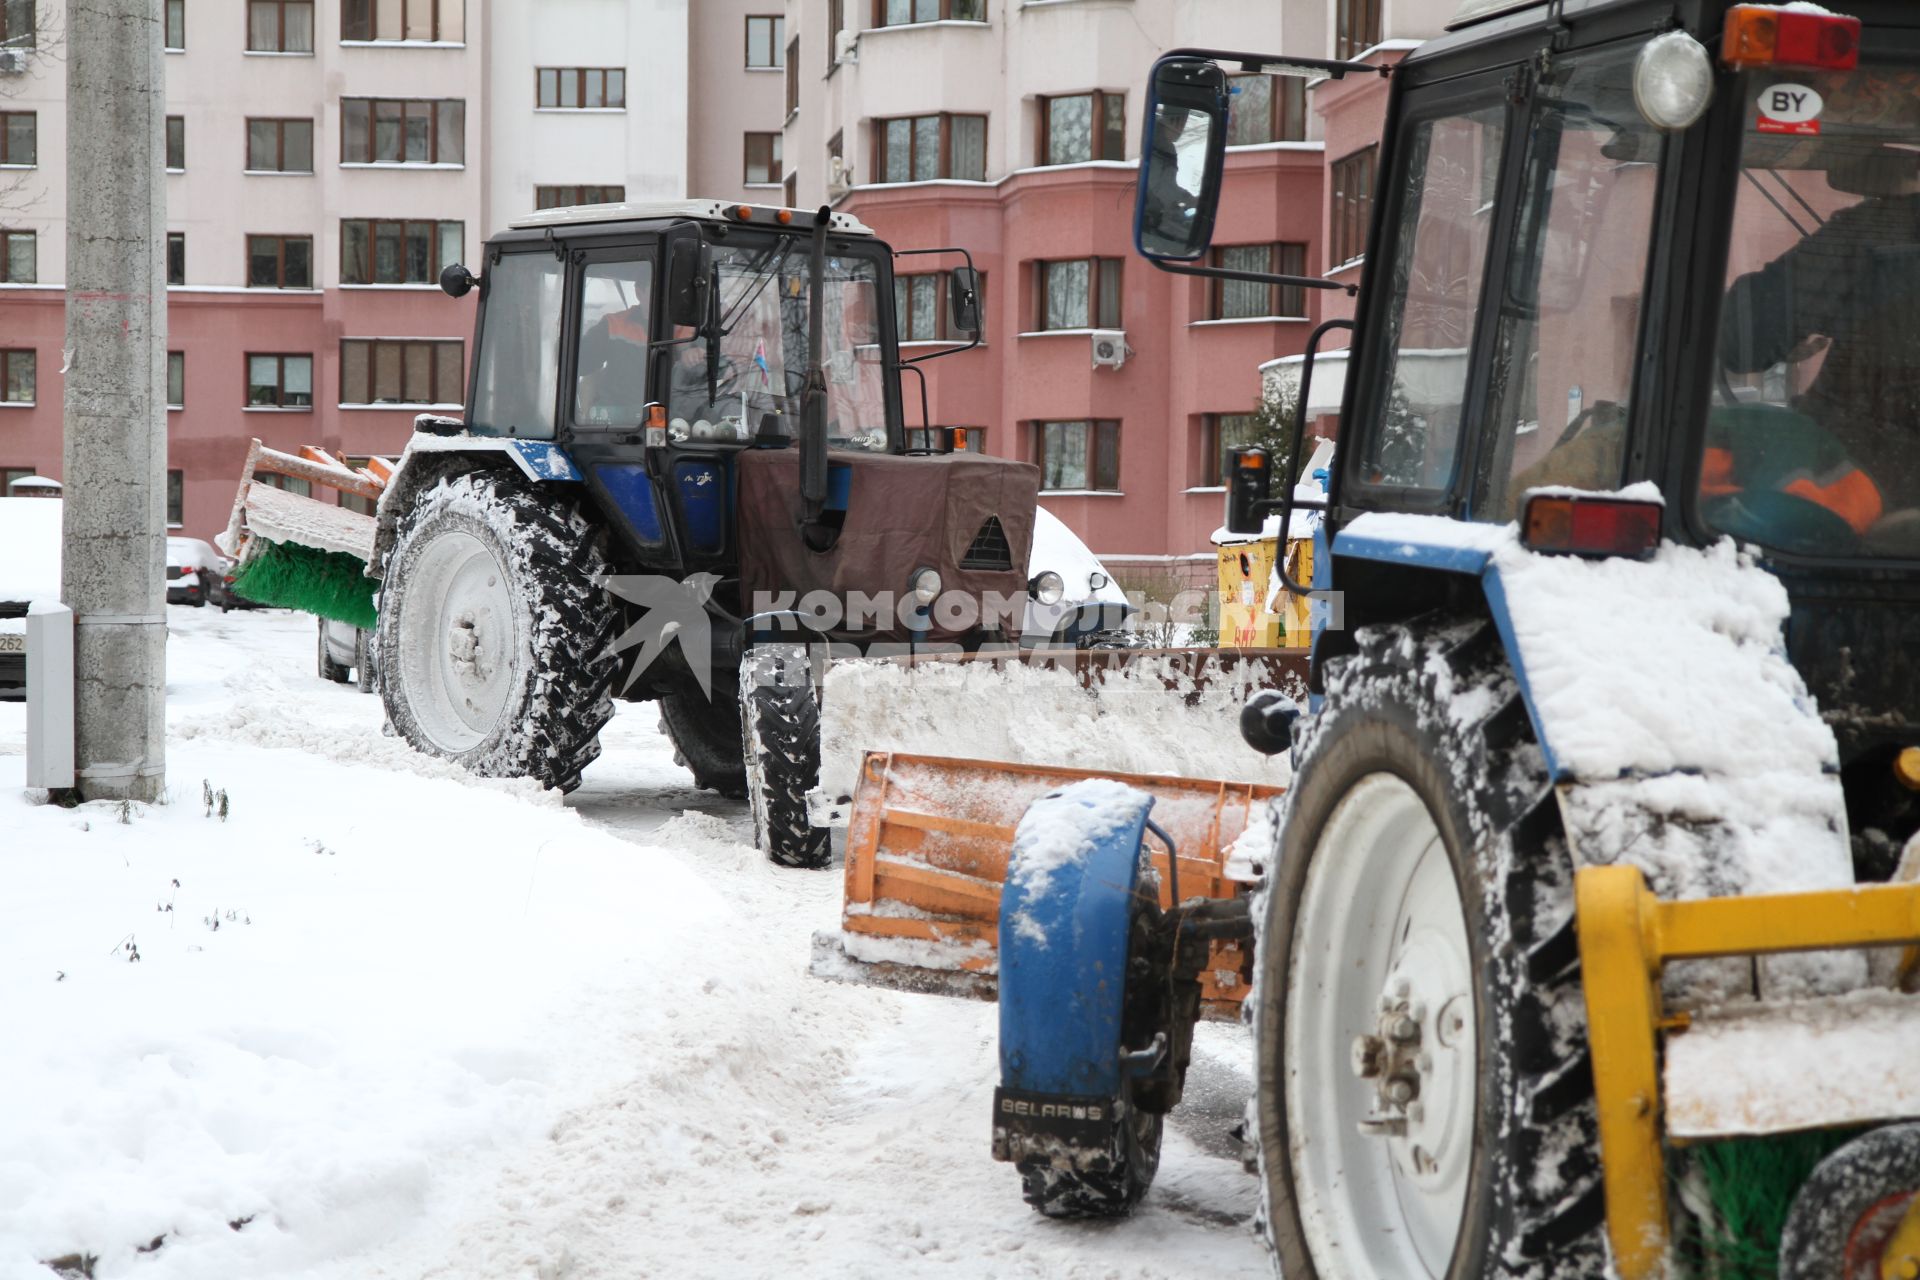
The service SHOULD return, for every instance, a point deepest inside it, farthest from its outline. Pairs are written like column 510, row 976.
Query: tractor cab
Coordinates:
column 1623, row 241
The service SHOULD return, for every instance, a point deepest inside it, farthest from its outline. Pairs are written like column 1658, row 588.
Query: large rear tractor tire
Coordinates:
column 707, row 739
column 1846, row 1216
column 780, row 735
column 1421, row 912
column 364, row 663
column 494, row 639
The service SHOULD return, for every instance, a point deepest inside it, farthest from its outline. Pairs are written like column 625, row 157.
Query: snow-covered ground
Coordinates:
column 387, row 1020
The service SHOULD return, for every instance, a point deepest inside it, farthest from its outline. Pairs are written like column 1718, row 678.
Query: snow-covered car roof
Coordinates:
column 192, row 553
column 30, row 549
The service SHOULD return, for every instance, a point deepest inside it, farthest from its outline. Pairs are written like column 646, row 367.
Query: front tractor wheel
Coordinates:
column 780, row 736
column 494, row 637
column 1425, row 1102
column 1855, row 1217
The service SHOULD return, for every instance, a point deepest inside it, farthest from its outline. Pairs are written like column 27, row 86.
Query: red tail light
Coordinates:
column 1759, row 35
column 1583, row 526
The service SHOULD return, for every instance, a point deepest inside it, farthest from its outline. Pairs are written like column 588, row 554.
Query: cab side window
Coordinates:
column 1569, row 317
column 517, row 373
column 1434, row 296
column 616, row 312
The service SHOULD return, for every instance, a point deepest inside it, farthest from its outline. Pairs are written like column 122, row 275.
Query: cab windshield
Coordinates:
column 723, row 387
column 1810, row 446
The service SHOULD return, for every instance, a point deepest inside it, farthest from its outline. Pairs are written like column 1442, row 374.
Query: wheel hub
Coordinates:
column 457, row 639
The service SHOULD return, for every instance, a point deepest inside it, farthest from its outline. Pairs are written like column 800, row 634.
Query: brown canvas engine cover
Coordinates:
column 903, row 514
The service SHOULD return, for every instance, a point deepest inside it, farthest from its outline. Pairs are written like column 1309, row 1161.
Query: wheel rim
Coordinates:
column 1380, row 947
column 458, row 642
column 1873, row 1235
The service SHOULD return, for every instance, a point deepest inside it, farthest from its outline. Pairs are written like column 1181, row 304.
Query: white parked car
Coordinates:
column 193, row 567
column 1071, row 599
column 29, row 574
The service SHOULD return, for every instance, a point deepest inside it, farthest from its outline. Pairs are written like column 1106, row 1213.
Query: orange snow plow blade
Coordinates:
column 927, row 846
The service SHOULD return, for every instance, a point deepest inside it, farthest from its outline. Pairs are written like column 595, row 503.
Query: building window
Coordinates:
column 279, row 382
column 837, row 170
column 176, row 498
column 280, row 26
column 441, row 21
column 19, row 257
column 920, row 148
column 378, row 371
column 1266, row 109
column 280, row 146
column 921, row 311
column 1246, row 300
column 16, row 24
column 176, row 24
column 176, row 144
column 9, row 474
column 1352, row 204
column 1078, row 455
column 19, row 138
column 16, row 377
column 176, row 379
column 280, row 262
column 900, row 13
column 793, row 71
column 1356, row 27
column 390, row 251
column 403, row 131
column 1081, row 293
column 1083, row 126
column 176, row 257
column 763, row 159
column 766, row 42
column 563, row 197
column 836, row 23
column 581, row 88
column 1220, row 435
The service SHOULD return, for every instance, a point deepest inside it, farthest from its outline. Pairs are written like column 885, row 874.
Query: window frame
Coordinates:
column 280, row 124
column 168, row 28
column 946, row 14
column 944, row 165
column 176, row 239
column 9, row 356
column 246, row 379
column 1213, row 468
column 280, row 261
column 1350, row 37
column 176, row 497
column 369, row 231
column 372, row 133
column 439, row 35
column 1098, row 297
column 281, row 6
column 13, row 40
column 177, row 359
column 1287, row 110
column 836, row 23
column 776, row 42
column 6, row 133
column 793, row 73
column 1098, row 431
column 7, row 236
column 433, row 346
column 579, row 74
column 942, row 316
column 774, row 170
column 1350, row 210
column 578, row 188
column 1096, row 124
column 181, row 123
column 1279, row 262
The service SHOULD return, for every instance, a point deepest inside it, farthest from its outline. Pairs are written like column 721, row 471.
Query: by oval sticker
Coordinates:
column 1790, row 108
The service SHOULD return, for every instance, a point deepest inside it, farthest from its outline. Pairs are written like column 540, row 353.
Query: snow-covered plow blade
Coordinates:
column 296, row 551
column 927, row 848
column 1669, row 1077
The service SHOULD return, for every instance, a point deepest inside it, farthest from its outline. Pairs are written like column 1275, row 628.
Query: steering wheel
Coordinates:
column 1783, row 520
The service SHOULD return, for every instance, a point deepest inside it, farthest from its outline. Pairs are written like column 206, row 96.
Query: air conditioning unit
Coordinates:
column 1110, row 349
column 839, row 177
column 846, row 46
column 12, row 61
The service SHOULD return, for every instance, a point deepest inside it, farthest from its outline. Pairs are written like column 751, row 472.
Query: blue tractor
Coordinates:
column 1618, row 574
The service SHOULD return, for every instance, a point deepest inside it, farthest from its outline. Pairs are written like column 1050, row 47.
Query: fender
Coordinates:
column 540, row 461
column 1063, row 941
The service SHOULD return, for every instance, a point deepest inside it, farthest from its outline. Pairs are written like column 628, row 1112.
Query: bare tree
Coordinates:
column 32, row 49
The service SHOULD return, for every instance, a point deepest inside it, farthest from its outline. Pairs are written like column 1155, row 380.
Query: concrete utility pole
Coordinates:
column 115, row 457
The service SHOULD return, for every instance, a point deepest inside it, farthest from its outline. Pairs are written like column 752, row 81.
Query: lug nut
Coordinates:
column 1369, row 1056
column 1404, row 1030
column 1402, row 1089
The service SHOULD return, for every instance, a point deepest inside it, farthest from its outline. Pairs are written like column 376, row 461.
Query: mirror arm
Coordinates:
column 1281, row 64
column 1286, row 502
column 926, row 414
column 1178, row 268
column 944, row 351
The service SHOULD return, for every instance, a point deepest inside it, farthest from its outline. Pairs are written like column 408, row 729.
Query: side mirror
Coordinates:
column 1250, row 484
column 963, row 300
column 456, row 281
column 689, row 282
column 1182, row 159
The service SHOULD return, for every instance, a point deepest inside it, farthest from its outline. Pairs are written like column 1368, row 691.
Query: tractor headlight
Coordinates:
column 925, row 585
column 1672, row 80
column 1097, row 580
column 1047, row 587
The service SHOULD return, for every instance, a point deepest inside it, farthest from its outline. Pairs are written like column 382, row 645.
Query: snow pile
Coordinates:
column 30, row 548
column 1144, row 718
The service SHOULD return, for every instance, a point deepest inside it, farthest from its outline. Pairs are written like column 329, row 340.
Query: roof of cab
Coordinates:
column 708, row 210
